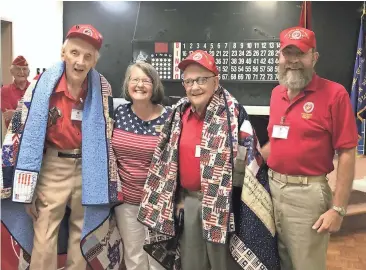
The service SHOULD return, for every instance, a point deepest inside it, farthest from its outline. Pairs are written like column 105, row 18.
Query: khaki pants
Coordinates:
column 297, row 207
column 196, row 253
column 133, row 234
column 60, row 183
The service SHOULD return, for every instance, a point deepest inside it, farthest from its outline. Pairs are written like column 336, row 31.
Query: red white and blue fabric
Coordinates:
column 134, row 142
column 236, row 206
column 101, row 242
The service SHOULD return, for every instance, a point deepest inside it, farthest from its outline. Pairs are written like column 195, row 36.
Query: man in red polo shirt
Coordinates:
column 310, row 119
column 12, row 93
column 60, row 178
column 80, row 54
column 208, row 165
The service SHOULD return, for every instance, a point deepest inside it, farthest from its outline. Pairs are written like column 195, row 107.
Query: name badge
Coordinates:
column 76, row 115
column 280, row 132
column 197, row 153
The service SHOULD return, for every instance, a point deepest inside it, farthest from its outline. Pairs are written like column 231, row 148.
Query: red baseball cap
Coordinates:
column 300, row 37
column 20, row 61
column 88, row 33
column 202, row 58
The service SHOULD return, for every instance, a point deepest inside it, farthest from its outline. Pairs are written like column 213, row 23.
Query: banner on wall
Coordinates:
column 358, row 91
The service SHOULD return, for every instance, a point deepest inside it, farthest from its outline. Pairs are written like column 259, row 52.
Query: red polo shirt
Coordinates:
column 10, row 95
column 65, row 134
column 189, row 163
column 320, row 120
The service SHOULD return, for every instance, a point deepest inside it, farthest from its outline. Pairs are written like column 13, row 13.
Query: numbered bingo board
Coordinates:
column 243, row 61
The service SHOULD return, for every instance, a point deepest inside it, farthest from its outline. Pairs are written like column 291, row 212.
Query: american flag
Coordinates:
column 358, row 91
column 7, row 155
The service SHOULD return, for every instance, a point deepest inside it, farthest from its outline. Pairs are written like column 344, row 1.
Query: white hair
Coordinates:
column 97, row 54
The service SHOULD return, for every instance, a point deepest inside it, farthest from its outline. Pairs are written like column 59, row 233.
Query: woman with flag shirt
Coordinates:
column 135, row 136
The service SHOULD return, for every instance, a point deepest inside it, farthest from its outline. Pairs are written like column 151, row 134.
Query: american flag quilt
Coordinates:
column 236, row 205
column 101, row 243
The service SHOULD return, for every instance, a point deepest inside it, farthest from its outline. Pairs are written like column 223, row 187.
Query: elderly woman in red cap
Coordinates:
column 12, row 93
column 58, row 163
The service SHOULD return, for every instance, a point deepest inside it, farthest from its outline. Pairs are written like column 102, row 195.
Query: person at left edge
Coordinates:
column 12, row 93
column 57, row 155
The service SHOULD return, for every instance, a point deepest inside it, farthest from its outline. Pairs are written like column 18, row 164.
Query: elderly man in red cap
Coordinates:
column 207, row 166
column 12, row 93
column 57, row 160
column 310, row 119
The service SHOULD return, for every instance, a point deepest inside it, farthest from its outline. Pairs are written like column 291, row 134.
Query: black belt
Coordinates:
column 66, row 155
column 60, row 154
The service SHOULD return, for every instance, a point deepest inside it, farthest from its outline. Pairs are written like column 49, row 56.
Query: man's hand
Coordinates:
column 8, row 114
column 265, row 151
column 31, row 209
column 330, row 222
column 179, row 206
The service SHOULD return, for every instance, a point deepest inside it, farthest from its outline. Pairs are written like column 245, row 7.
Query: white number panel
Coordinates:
column 242, row 61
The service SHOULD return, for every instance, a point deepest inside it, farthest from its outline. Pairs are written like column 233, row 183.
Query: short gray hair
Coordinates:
column 158, row 88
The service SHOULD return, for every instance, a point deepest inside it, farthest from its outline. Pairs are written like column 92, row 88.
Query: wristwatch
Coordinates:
column 340, row 210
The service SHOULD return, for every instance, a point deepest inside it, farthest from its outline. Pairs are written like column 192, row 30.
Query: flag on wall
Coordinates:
column 305, row 15
column 358, row 91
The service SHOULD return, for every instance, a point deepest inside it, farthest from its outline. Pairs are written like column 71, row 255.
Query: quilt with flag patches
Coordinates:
column 22, row 158
column 236, row 206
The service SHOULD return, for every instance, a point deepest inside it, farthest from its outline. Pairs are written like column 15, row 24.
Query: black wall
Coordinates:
column 336, row 25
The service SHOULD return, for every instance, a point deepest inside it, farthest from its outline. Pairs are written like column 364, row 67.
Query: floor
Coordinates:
column 347, row 252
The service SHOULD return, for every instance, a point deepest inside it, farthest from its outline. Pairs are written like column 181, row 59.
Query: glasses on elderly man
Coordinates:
column 21, row 69
column 144, row 81
column 199, row 80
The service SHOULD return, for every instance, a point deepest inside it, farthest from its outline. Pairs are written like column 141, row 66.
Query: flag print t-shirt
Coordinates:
column 134, row 142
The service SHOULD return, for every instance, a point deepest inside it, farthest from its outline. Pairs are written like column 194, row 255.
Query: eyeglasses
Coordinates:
column 199, row 80
column 21, row 69
column 144, row 81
